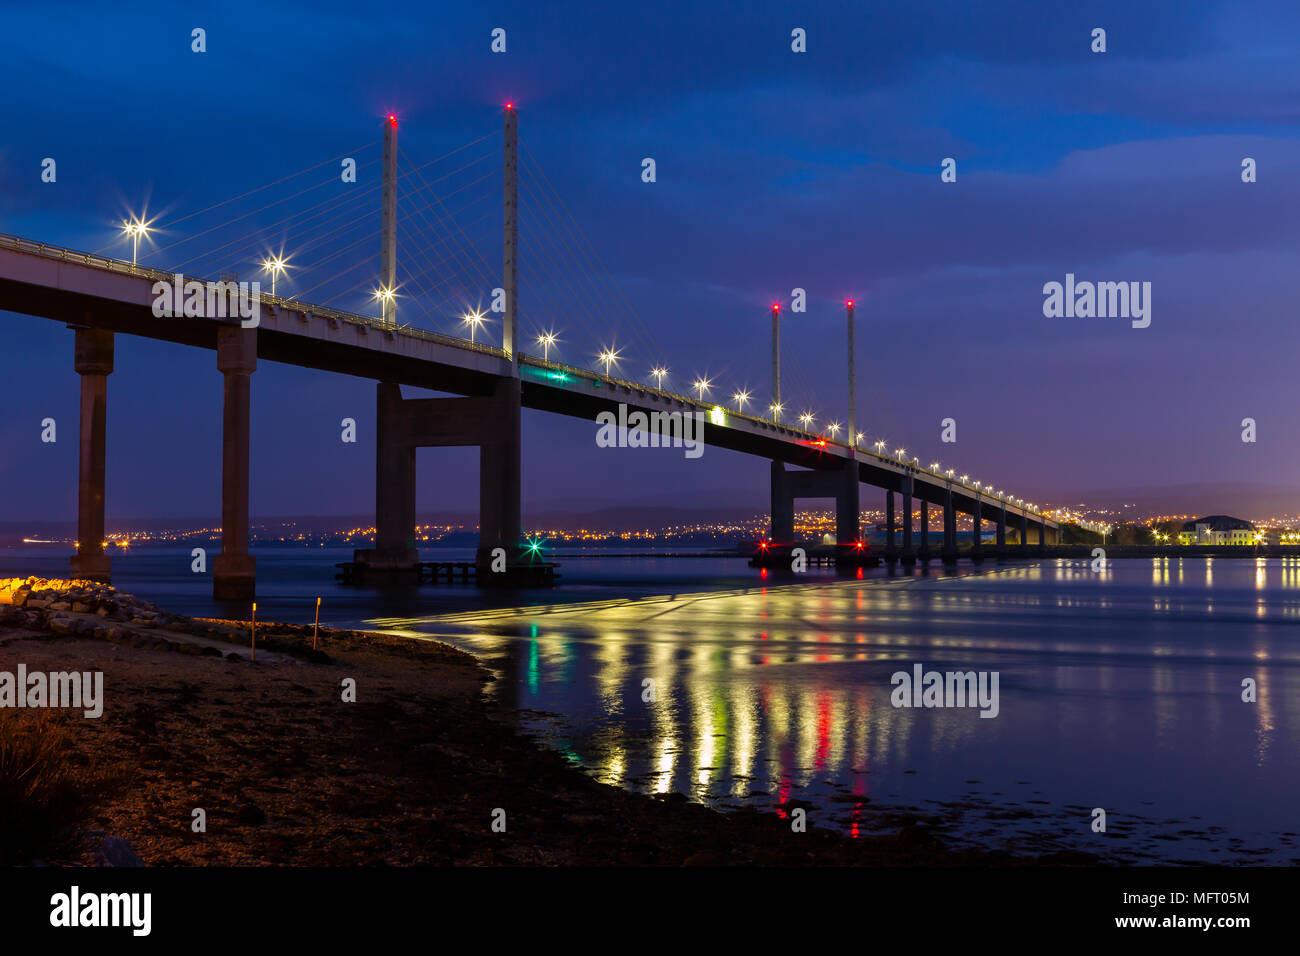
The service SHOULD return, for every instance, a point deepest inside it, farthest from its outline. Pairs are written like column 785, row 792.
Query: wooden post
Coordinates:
column 315, row 627
column 253, row 633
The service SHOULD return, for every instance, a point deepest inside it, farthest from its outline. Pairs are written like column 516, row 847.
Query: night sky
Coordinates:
column 775, row 170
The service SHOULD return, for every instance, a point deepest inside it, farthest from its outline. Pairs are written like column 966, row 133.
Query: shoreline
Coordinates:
column 414, row 772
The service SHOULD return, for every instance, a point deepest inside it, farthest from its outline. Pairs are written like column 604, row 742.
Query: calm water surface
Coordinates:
column 1120, row 690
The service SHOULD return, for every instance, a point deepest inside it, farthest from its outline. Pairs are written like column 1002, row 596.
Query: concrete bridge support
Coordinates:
column 1002, row 531
column 848, row 507
column 93, row 360
column 492, row 423
column 1042, row 537
column 909, row 556
column 924, row 553
column 840, row 484
column 977, row 518
column 891, row 554
column 1024, row 532
column 949, row 528
column 234, row 569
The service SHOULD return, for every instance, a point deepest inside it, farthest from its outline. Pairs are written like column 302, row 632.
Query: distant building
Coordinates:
column 1217, row 529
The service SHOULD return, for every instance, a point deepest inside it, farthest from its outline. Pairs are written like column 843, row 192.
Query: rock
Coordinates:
column 60, row 606
column 115, row 851
column 79, row 607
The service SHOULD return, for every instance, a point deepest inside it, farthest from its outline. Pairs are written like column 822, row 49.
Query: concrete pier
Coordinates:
column 908, row 555
column 1002, row 530
column 949, row 528
column 93, row 360
column 840, row 483
column 234, row 569
column 924, row 553
column 891, row 554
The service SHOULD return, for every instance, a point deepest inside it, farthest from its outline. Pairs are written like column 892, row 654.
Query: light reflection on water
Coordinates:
column 1120, row 689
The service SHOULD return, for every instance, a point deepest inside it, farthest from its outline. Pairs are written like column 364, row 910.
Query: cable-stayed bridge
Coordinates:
column 426, row 269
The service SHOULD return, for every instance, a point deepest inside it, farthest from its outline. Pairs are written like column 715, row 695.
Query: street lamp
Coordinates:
column 701, row 386
column 546, row 340
column 741, row 398
column 608, row 357
column 659, row 374
column 136, row 229
column 834, row 428
column 776, row 408
column 807, row 419
column 274, row 266
column 473, row 320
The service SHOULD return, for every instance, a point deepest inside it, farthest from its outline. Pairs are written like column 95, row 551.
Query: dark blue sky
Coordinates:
column 775, row 170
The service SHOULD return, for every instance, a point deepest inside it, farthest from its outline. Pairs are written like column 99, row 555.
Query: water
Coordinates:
column 1119, row 690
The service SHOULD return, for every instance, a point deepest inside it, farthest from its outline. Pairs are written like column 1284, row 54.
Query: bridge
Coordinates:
column 100, row 297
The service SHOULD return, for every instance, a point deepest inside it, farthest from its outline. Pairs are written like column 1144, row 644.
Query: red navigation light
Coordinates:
column 392, row 118
column 763, row 545
column 849, row 303
column 820, row 444
column 858, row 545
column 510, row 106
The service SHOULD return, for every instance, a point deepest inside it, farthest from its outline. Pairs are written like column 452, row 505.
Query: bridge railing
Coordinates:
column 108, row 264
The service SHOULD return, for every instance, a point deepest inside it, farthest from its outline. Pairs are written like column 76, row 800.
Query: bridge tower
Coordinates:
column 490, row 421
column 388, row 235
column 848, row 513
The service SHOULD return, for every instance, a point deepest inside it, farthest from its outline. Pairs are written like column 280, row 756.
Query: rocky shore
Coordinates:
column 365, row 750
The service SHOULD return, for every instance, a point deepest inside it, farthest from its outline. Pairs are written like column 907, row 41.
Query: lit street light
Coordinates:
column 136, row 229
column 274, row 266
column 609, row 357
column 546, row 340
column 473, row 320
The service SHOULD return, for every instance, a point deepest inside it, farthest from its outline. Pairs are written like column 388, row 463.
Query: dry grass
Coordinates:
column 42, row 793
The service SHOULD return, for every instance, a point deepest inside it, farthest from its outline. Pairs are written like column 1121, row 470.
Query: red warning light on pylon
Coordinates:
column 392, row 119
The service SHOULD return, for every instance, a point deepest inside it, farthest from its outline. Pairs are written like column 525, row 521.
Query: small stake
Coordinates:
column 253, row 632
column 316, row 627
